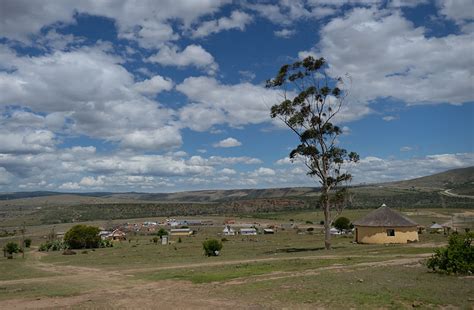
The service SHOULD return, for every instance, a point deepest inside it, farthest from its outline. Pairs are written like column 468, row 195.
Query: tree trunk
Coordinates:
column 327, row 231
column 327, row 220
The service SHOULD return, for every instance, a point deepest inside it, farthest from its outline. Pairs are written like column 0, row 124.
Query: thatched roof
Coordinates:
column 385, row 217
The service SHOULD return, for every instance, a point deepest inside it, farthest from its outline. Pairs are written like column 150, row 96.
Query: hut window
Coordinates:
column 391, row 232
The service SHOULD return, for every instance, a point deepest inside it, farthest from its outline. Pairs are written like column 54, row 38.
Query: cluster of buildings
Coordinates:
column 383, row 225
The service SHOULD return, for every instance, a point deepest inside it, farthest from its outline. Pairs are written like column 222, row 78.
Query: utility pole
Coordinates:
column 23, row 241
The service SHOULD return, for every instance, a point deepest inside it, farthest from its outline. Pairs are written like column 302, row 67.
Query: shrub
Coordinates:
column 309, row 222
column 224, row 239
column 155, row 240
column 179, row 240
column 82, row 237
column 457, row 257
column 162, row 232
column 106, row 243
column 11, row 247
column 27, row 243
column 212, row 247
column 342, row 223
column 321, row 222
column 310, row 229
column 55, row 245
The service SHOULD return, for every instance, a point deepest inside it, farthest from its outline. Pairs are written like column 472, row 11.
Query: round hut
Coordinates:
column 385, row 225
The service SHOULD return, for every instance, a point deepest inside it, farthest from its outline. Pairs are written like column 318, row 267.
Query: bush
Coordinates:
column 310, row 229
column 55, row 245
column 179, row 240
column 11, row 247
column 162, row 232
column 106, row 243
column 309, row 222
column 27, row 243
column 155, row 240
column 82, row 237
column 342, row 223
column 212, row 247
column 458, row 257
column 321, row 222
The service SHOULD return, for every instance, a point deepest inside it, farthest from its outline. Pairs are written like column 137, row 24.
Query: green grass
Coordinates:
column 43, row 289
column 17, row 268
column 383, row 287
column 228, row 272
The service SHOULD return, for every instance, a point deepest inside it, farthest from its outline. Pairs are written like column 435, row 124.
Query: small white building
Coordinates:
column 181, row 232
column 228, row 231
column 248, row 231
column 335, row 231
column 268, row 231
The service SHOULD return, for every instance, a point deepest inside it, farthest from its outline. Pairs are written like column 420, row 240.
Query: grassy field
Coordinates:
column 288, row 269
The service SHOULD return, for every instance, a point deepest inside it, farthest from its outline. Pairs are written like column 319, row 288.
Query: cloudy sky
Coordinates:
column 163, row 96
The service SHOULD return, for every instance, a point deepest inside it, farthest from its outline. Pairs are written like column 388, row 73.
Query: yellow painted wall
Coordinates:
column 379, row 234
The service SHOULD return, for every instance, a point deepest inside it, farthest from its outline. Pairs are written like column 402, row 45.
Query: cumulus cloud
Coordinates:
column 420, row 70
column 228, row 142
column 236, row 20
column 192, row 55
column 284, row 33
column 89, row 90
column 154, row 85
column 236, row 105
column 148, row 23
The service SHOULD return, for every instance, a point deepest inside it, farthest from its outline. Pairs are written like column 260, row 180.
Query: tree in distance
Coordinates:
column 342, row 223
column 10, row 248
column 27, row 243
column 82, row 237
column 212, row 247
column 311, row 102
column 161, row 232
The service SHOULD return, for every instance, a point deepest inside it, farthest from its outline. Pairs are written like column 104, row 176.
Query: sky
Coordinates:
column 164, row 96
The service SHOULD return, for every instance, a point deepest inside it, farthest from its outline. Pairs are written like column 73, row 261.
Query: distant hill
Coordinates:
column 461, row 180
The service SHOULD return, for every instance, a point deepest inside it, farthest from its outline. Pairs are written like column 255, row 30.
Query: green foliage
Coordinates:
column 27, row 243
column 11, row 247
column 54, row 245
column 162, row 232
column 155, row 240
column 457, row 257
column 212, row 247
column 342, row 223
column 309, row 222
column 106, row 243
column 179, row 240
column 82, row 236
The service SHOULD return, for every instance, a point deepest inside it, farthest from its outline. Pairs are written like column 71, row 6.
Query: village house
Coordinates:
column 228, row 231
column 248, row 231
column 117, row 235
column 385, row 225
column 181, row 232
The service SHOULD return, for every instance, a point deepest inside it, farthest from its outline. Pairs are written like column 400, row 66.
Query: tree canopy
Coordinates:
column 310, row 106
column 82, row 236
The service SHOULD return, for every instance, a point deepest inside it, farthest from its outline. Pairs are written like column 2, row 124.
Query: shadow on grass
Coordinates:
column 297, row 250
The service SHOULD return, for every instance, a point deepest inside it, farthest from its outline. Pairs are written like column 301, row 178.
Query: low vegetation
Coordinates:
column 457, row 257
column 212, row 247
column 82, row 237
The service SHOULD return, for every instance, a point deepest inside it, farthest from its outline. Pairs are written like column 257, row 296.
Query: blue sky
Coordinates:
column 161, row 96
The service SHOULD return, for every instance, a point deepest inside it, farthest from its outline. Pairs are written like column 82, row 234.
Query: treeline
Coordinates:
column 394, row 198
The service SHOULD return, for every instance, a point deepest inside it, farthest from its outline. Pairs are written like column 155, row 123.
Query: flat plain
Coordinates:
column 289, row 269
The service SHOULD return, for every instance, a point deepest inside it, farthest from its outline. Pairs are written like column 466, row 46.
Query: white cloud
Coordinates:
column 88, row 91
column 284, row 33
column 406, row 149
column 228, row 171
column 237, row 20
column 228, row 142
column 92, row 182
column 461, row 11
column 192, row 55
column 262, row 171
column 154, row 85
column 147, row 22
column 420, row 70
column 389, row 118
column 236, row 105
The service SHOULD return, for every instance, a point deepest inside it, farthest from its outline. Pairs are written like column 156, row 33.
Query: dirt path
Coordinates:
column 112, row 289
column 450, row 194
